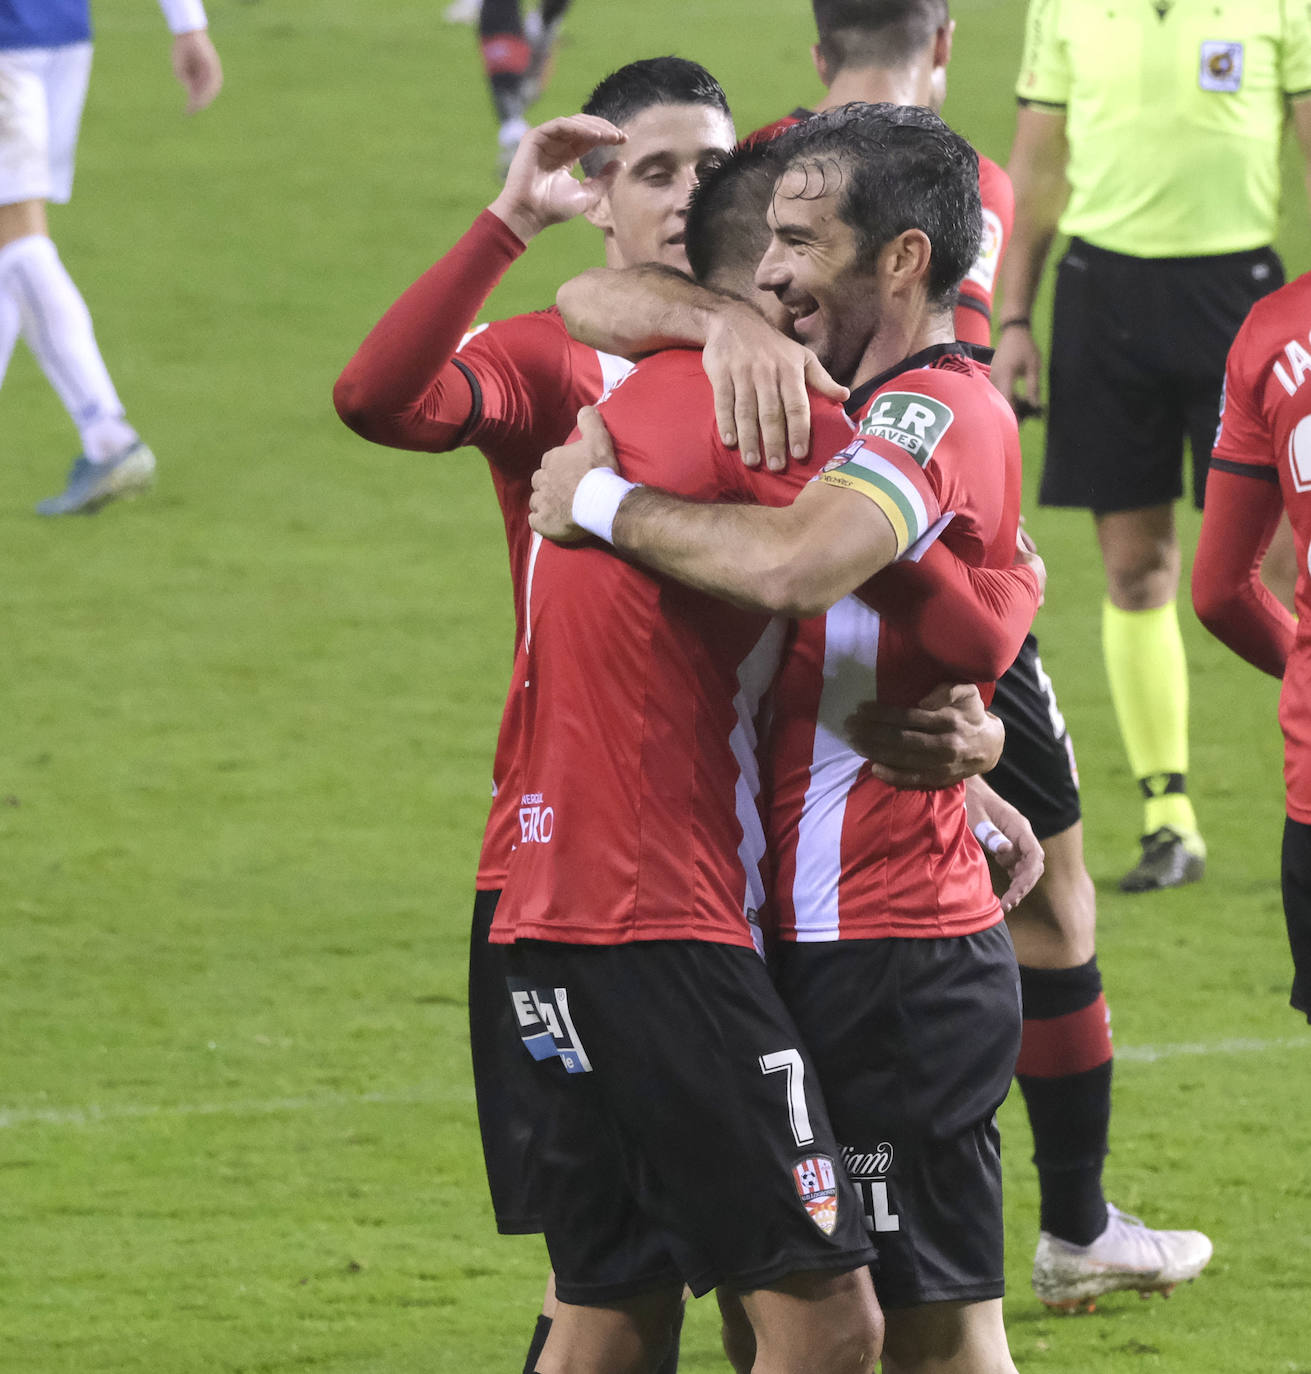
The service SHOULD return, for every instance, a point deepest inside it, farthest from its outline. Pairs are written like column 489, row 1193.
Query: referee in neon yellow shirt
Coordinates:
column 1149, row 131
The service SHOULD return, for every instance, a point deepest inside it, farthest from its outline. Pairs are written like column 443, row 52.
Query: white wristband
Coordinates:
column 596, row 501
column 184, row 16
column 989, row 836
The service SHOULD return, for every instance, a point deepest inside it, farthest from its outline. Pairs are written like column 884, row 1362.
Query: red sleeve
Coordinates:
column 1242, row 510
column 401, row 388
column 974, row 308
column 972, row 621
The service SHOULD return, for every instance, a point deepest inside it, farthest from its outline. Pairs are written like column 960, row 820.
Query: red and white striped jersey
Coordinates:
column 854, row 858
column 638, row 792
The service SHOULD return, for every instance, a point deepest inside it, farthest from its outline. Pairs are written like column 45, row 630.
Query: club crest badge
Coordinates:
column 844, row 455
column 1221, row 67
column 817, row 1187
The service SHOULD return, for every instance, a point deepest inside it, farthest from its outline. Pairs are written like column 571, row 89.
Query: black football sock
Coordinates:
column 540, row 1334
column 1064, row 1072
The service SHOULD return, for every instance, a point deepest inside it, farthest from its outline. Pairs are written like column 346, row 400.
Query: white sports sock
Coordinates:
column 10, row 322
column 57, row 327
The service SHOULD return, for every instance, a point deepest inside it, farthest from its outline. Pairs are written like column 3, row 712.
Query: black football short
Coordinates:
column 915, row 1042
column 1037, row 773
column 1296, row 874
column 684, row 1138
column 1137, row 364
column 505, row 1085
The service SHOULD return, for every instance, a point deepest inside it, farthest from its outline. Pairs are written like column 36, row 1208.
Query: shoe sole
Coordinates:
column 1073, row 1306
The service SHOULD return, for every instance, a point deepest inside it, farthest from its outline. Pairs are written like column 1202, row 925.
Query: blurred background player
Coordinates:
column 45, row 63
column 1163, row 167
column 516, row 52
column 1261, row 467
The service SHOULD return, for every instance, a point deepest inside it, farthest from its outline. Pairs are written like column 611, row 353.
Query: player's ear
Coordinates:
column 821, row 63
column 599, row 214
column 904, row 260
column 942, row 43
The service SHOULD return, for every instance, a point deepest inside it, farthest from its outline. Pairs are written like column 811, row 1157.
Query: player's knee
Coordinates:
column 853, row 1348
column 1141, row 573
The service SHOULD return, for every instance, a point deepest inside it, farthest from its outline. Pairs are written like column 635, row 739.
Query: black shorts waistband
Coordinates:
column 1245, row 255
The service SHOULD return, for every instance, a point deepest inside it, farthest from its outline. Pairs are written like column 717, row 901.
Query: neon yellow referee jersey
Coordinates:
column 1174, row 115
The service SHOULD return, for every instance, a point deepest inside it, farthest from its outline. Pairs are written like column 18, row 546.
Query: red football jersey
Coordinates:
column 974, row 308
column 638, row 790
column 532, row 379
column 510, row 389
column 1265, row 433
column 856, row 859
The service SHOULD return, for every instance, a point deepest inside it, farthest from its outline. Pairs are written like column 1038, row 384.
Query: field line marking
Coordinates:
column 127, row 1111
column 1151, row 1054
column 91, row 1115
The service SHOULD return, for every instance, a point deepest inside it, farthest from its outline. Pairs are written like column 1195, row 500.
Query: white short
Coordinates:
column 42, row 91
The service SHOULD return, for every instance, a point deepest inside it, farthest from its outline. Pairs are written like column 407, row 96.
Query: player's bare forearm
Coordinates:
column 738, row 553
column 795, row 560
column 1299, row 116
column 1037, row 171
column 633, row 311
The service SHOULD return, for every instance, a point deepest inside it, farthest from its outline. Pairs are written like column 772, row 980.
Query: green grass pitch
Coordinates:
column 245, row 728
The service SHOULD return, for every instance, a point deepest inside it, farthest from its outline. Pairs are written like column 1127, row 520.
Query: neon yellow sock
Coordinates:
column 1148, row 674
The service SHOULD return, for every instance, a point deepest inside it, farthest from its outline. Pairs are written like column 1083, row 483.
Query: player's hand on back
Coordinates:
column 947, row 738
column 539, row 188
column 196, row 65
column 759, row 378
column 550, row 511
column 1017, row 371
column 1008, row 839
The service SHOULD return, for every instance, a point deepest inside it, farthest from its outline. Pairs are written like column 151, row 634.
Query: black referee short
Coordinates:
column 1037, row 773
column 1296, row 876
column 915, row 1042
column 1137, row 363
column 506, row 1087
column 683, row 1137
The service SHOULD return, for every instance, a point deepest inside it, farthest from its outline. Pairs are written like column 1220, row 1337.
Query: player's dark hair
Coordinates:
column 624, row 94
column 726, row 227
column 896, row 167
column 876, row 33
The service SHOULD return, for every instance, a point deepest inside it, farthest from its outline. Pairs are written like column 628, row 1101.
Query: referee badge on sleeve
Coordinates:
column 817, row 1187
column 1221, row 67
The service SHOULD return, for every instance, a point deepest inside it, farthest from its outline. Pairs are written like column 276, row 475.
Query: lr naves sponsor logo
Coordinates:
column 536, row 821
column 868, row 1170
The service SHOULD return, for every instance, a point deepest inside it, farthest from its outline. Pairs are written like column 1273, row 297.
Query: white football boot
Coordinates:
column 1127, row 1256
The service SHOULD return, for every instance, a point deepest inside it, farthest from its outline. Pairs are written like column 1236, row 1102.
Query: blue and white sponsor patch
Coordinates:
column 545, row 1026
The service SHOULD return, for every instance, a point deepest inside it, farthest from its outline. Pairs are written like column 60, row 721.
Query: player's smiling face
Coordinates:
column 813, row 266
column 643, row 210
